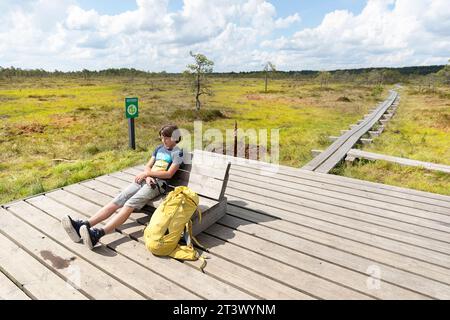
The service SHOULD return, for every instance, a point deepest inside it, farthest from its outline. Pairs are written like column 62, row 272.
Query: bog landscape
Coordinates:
column 245, row 150
column 61, row 129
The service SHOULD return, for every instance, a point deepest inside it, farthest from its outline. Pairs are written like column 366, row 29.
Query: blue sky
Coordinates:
column 238, row 35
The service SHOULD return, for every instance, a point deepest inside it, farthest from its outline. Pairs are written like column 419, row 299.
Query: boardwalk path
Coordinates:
column 328, row 159
column 288, row 234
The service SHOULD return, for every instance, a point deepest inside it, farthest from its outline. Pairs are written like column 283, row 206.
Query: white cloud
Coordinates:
column 385, row 33
column 236, row 34
column 149, row 37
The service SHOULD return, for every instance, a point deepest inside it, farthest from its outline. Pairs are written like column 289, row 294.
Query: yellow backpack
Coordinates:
column 166, row 226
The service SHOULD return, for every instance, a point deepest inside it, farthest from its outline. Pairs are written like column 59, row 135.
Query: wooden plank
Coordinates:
column 318, row 180
column 318, row 285
column 308, row 240
column 35, row 279
column 113, row 181
column 290, row 185
column 366, row 141
column 241, row 277
column 81, row 274
column 401, row 161
column 268, row 169
column 434, row 271
column 199, row 164
column 333, row 214
column 432, row 287
column 263, row 287
column 333, row 138
column 320, row 260
column 325, row 186
column 181, row 273
column 336, row 152
column 9, row 290
column 333, row 204
column 282, row 272
column 315, row 152
column 101, row 187
column 209, row 217
column 104, row 258
column 365, row 232
column 207, row 186
column 319, row 220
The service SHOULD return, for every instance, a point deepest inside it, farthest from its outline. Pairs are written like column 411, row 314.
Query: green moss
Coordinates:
column 85, row 125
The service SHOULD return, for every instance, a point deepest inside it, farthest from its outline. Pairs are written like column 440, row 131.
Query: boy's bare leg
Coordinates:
column 118, row 219
column 103, row 214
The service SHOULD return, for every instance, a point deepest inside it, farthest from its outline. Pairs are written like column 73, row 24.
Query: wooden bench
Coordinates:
column 208, row 177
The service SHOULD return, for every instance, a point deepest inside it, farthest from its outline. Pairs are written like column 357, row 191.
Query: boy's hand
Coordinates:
column 140, row 177
column 150, row 181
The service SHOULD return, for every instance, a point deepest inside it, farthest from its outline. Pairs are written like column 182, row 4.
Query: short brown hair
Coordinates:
column 170, row 131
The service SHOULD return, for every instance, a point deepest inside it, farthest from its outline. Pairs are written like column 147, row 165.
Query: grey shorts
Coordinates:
column 136, row 195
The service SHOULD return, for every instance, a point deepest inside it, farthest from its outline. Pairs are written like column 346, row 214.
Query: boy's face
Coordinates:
column 168, row 142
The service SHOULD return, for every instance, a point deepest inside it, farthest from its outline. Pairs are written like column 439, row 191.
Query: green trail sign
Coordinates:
column 131, row 112
column 131, row 108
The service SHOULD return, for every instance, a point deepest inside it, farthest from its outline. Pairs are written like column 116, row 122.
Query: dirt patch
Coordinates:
column 27, row 128
column 262, row 96
column 156, row 89
column 57, row 262
column 255, row 97
column 247, row 151
column 83, row 109
column 343, row 99
column 44, row 97
column 443, row 123
column 62, row 121
column 202, row 114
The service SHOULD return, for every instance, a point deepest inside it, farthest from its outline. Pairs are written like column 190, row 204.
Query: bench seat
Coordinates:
column 208, row 177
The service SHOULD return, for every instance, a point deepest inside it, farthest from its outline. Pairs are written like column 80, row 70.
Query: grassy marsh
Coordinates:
column 59, row 131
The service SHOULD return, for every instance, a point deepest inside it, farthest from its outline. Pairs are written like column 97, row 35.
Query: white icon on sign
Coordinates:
column 132, row 109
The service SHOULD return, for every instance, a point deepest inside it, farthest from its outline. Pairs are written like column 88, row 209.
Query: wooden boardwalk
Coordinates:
column 337, row 151
column 288, row 234
column 360, row 154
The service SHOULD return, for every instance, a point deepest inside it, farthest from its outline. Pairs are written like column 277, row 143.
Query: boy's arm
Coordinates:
column 141, row 176
column 165, row 174
column 149, row 165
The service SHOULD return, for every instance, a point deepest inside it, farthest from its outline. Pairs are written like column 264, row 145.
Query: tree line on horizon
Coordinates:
column 405, row 71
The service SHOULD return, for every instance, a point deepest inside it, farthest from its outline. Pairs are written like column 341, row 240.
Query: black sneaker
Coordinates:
column 72, row 227
column 184, row 240
column 91, row 236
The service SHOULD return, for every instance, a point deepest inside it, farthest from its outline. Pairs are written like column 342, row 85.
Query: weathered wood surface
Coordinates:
column 328, row 159
column 287, row 234
column 360, row 154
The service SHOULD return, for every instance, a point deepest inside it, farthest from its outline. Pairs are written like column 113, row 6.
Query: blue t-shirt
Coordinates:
column 165, row 157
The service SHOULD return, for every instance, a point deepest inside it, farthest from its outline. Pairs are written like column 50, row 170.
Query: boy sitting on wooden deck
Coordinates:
column 164, row 163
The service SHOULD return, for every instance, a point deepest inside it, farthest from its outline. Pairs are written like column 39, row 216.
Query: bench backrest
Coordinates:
column 204, row 173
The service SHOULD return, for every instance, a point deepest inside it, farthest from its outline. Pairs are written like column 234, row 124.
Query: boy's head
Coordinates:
column 170, row 135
